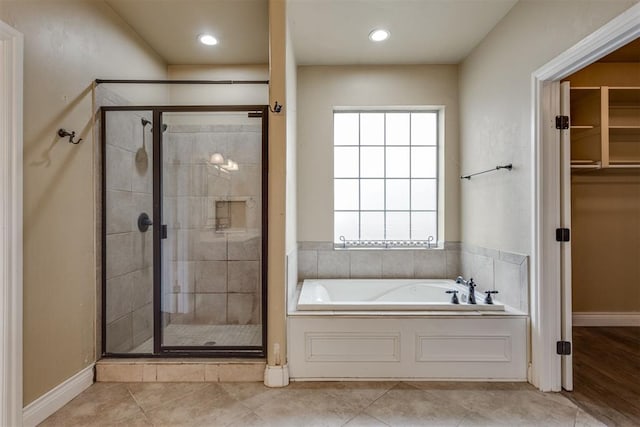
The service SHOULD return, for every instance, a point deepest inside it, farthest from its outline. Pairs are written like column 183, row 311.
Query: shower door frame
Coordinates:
column 160, row 351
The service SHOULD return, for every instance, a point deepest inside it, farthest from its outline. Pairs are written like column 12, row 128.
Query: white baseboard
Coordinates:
column 614, row 318
column 276, row 376
column 41, row 408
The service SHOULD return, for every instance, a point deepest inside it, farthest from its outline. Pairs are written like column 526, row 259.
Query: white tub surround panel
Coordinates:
column 445, row 347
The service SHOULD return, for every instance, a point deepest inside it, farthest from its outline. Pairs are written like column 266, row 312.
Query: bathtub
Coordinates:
column 387, row 295
column 402, row 329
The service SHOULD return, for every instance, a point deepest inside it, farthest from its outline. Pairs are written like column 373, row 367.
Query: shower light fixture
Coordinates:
column 216, row 159
column 231, row 165
column 378, row 35
column 207, row 39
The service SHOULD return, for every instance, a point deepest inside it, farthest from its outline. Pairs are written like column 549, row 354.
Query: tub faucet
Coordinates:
column 472, row 291
column 460, row 280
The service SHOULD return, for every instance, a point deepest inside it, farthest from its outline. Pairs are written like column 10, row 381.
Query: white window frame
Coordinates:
column 432, row 242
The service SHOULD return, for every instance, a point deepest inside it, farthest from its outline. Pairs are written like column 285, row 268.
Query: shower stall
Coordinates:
column 184, row 197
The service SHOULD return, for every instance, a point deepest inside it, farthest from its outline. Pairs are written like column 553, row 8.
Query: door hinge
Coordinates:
column 563, row 348
column 163, row 231
column 562, row 122
column 563, row 235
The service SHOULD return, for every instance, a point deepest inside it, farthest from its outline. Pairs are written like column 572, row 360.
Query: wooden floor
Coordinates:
column 606, row 373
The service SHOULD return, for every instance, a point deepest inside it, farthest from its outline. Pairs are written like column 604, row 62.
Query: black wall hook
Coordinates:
column 276, row 107
column 63, row 133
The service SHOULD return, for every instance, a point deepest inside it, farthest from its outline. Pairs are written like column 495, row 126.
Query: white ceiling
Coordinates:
column 422, row 31
column 171, row 28
column 323, row 31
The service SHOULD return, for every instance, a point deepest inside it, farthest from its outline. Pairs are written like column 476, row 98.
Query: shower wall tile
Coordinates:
column 307, row 264
column 508, row 283
column 142, row 287
column 204, row 145
column 189, row 212
column 510, row 274
column 142, row 175
column 208, row 245
column 119, row 297
column 178, row 147
column 142, row 324
column 142, row 249
column 453, row 263
column 184, row 312
column 119, row 212
column 141, row 202
column 398, row 264
column 119, row 254
column 211, row 309
column 180, row 244
column 243, row 247
column 333, row 264
column 211, row 276
column 243, row 309
column 524, row 285
column 120, row 335
column 121, row 132
column 198, row 180
column 218, row 183
column 315, row 246
column 119, row 172
column 184, row 276
column 365, row 265
column 246, row 149
column 244, row 276
column 430, row 264
column 246, row 181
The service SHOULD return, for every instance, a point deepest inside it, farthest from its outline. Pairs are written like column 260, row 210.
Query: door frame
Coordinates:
column 11, row 152
column 546, row 319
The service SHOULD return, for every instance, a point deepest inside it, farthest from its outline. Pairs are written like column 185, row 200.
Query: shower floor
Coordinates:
column 204, row 335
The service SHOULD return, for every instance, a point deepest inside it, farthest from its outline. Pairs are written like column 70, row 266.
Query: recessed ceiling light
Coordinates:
column 378, row 35
column 207, row 39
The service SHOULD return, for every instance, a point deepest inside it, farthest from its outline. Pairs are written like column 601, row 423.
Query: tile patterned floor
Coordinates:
column 389, row 403
column 196, row 335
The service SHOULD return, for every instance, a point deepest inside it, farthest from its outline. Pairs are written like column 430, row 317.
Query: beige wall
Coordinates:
column 67, row 45
column 291, row 112
column 495, row 110
column 605, row 246
column 239, row 94
column 321, row 88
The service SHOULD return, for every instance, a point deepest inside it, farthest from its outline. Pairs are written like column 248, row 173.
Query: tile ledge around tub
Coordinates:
column 407, row 313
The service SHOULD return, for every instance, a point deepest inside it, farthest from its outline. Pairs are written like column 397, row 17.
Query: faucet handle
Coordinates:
column 454, row 296
column 488, row 299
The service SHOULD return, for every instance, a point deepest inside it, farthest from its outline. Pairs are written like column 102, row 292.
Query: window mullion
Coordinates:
column 359, row 179
column 384, row 178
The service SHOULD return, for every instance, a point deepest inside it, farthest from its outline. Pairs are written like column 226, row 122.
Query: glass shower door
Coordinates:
column 212, row 279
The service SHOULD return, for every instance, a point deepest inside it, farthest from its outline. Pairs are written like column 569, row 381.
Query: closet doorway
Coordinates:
column 604, row 206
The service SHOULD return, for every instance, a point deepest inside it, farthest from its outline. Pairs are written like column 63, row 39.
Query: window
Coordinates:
column 385, row 178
